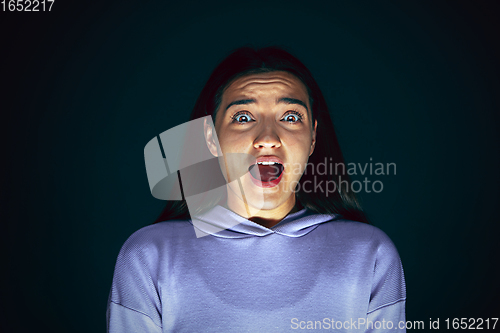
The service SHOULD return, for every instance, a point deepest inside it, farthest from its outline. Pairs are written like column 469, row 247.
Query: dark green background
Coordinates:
column 86, row 86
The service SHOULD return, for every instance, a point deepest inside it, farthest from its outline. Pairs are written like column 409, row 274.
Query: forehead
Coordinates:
column 264, row 84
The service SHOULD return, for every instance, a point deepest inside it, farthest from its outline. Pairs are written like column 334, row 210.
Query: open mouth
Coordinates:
column 266, row 174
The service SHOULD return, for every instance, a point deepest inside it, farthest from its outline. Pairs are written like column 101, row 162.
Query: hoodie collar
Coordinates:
column 224, row 223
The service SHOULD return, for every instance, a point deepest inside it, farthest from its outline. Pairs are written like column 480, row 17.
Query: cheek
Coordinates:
column 300, row 146
column 234, row 143
column 236, row 152
column 298, row 156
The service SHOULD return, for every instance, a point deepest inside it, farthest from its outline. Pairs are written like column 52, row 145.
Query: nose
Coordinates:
column 267, row 138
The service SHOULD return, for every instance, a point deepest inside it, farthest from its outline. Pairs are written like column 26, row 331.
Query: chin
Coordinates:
column 259, row 198
column 269, row 201
column 270, row 204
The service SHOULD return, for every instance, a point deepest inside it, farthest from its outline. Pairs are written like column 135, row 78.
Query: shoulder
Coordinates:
column 358, row 234
column 154, row 237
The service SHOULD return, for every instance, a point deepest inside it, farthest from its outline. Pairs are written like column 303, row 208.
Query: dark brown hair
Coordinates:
column 247, row 60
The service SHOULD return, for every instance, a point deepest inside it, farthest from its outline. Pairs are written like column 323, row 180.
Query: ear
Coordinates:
column 313, row 142
column 210, row 138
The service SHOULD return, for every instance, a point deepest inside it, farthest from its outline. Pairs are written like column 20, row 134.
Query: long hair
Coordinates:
column 246, row 60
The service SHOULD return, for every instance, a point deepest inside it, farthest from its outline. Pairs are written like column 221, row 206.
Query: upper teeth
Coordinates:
column 267, row 163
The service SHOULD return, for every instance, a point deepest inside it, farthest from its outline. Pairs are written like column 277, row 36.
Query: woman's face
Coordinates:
column 266, row 116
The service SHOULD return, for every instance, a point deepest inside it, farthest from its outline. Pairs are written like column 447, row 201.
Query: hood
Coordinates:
column 224, row 223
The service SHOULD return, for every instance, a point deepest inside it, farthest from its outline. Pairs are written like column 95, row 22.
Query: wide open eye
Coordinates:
column 292, row 117
column 242, row 118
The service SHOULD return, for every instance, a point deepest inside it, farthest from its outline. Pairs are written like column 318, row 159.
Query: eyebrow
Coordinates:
column 288, row 100
column 285, row 100
column 241, row 102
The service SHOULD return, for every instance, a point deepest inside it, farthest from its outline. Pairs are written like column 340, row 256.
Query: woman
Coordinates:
column 287, row 254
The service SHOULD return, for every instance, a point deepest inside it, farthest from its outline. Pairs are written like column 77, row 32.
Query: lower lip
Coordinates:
column 271, row 183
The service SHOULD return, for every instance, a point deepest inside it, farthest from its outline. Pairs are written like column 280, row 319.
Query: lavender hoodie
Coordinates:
column 308, row 272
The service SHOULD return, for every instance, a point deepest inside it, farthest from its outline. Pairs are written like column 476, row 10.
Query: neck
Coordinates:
column 271, row 222
column 265, row 217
